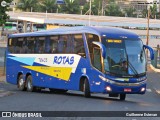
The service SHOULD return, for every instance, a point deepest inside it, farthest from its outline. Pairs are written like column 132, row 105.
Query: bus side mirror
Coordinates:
column 151, row 51
column 102, row 47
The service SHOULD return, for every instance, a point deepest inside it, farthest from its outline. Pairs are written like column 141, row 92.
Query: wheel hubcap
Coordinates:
column 29, row 85
column 84, row 87
column 21, row 82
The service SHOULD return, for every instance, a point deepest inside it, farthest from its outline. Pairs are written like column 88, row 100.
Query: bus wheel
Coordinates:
column 21, row 83
column 122, row 96
column 29, row 84
column 86, row 88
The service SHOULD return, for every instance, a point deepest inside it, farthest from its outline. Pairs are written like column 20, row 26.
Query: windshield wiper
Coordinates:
column 133, row 69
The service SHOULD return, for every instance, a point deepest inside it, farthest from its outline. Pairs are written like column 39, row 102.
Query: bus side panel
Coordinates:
column 48, row 81
column 12, row 69
column 96, row 84
column 52, row 82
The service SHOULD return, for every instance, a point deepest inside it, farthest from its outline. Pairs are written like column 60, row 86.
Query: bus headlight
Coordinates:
column 106, row 80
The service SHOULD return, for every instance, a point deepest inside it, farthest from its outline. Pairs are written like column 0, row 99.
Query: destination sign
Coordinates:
column 114, row 41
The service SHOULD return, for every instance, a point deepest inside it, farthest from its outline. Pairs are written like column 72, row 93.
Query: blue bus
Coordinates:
column 88, row 59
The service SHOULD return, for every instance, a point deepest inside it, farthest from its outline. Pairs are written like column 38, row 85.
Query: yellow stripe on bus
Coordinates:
column 57, row 72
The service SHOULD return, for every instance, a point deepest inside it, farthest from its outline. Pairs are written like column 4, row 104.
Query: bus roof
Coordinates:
column 109, row 32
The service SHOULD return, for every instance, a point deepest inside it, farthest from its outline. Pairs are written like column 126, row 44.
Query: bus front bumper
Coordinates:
column 125, row 88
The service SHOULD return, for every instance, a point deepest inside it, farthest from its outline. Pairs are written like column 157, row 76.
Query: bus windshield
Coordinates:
column 125, row 58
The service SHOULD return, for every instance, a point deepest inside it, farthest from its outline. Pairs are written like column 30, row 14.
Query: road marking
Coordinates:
column 148, row 90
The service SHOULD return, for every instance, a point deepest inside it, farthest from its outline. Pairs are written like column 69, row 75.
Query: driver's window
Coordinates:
column 96, row 61
column 94, row 51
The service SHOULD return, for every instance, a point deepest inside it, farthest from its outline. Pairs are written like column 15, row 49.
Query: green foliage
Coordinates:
column 113, row 10
column 95, row 7
column 144, row 13
column 71, row 7
column 3, row 15
column 26, row 5
column 153, row 12
column 48, row 5
column 130, row 12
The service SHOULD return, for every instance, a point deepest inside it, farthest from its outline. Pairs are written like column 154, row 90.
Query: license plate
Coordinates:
column 127, row 90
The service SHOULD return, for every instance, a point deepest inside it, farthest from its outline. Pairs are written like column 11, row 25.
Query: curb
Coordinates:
column 157, row 91
column 4, row 93
column 155, row 69
column 3, row 79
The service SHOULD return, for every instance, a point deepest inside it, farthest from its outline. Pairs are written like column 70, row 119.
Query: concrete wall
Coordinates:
column 2, row 56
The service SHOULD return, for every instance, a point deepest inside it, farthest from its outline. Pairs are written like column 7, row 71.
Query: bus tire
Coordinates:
column 122, row 97
column 21, row 83
column 29, row 84
column 86, row 88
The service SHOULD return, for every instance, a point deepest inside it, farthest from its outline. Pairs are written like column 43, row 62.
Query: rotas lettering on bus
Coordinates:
column 63, row 60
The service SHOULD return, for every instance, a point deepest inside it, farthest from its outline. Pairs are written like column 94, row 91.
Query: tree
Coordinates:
column 49, row 5
column 113, row 10
column 96, row 4
column 3, row 15
column 27, row 5
column 130, row 12
column 71, row 7
column 144, row 13
column 153, row 11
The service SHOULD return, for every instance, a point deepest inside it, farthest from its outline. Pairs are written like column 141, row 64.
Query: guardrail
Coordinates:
column 156, row 62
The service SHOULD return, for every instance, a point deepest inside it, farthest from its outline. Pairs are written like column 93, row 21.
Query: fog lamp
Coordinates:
column 143, row 89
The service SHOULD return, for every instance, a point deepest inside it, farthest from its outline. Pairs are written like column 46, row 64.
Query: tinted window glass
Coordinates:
column 90, row 39
column 53, row 44
column 11, row 44
column 18, row 46
column 79, row 45
column 97, row 58
column 40, row 44
column 62, row 44
column 31, row 45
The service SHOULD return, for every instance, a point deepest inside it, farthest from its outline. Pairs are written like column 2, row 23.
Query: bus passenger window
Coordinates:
column 79, row 45
column 19, row 45
column 25, row 48
column 40, row 45
column 11, row 45
column 70, row 43
column 53, row 44
column 62, row 44
column 31, row 45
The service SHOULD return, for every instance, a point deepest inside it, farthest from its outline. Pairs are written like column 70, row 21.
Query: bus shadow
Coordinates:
column 79, row 94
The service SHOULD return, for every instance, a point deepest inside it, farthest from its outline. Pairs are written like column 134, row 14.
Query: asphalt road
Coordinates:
column 75, row 101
